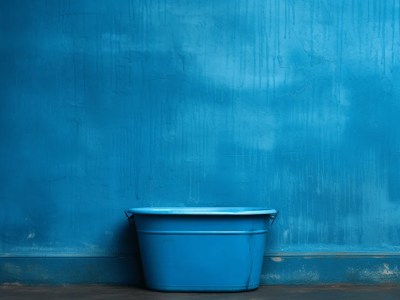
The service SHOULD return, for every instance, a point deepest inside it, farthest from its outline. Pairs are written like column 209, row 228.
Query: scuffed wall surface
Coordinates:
column 106, row 105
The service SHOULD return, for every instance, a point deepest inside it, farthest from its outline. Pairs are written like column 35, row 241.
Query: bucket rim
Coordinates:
column 204, row 211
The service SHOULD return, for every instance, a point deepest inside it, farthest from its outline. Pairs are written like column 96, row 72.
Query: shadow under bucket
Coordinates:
column 202, row 249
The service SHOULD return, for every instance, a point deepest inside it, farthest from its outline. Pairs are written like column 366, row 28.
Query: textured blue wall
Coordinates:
column 106, row 105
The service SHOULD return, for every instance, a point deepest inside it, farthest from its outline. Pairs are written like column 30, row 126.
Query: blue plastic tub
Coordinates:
column 202, row 249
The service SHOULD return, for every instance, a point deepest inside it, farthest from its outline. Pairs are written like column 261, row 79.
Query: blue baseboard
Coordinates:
column 331, row 268
column 279, row 268
column 71, row 270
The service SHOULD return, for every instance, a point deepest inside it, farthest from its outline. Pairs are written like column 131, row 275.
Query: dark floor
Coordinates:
column 380, row 292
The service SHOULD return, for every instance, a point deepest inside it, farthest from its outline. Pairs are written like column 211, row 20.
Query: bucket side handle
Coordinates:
column 130, row 216
column 273, row 216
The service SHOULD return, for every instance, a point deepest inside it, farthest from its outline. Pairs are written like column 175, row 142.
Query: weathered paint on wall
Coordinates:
column 107, row 105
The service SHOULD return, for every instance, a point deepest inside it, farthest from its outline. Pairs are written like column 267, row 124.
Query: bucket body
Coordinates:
column 200, row 249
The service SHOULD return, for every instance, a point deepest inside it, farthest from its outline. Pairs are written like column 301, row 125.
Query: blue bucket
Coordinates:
column 202, row 249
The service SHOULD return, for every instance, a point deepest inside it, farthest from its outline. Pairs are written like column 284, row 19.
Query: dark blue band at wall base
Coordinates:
column 282, row 268
column 71, row 270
